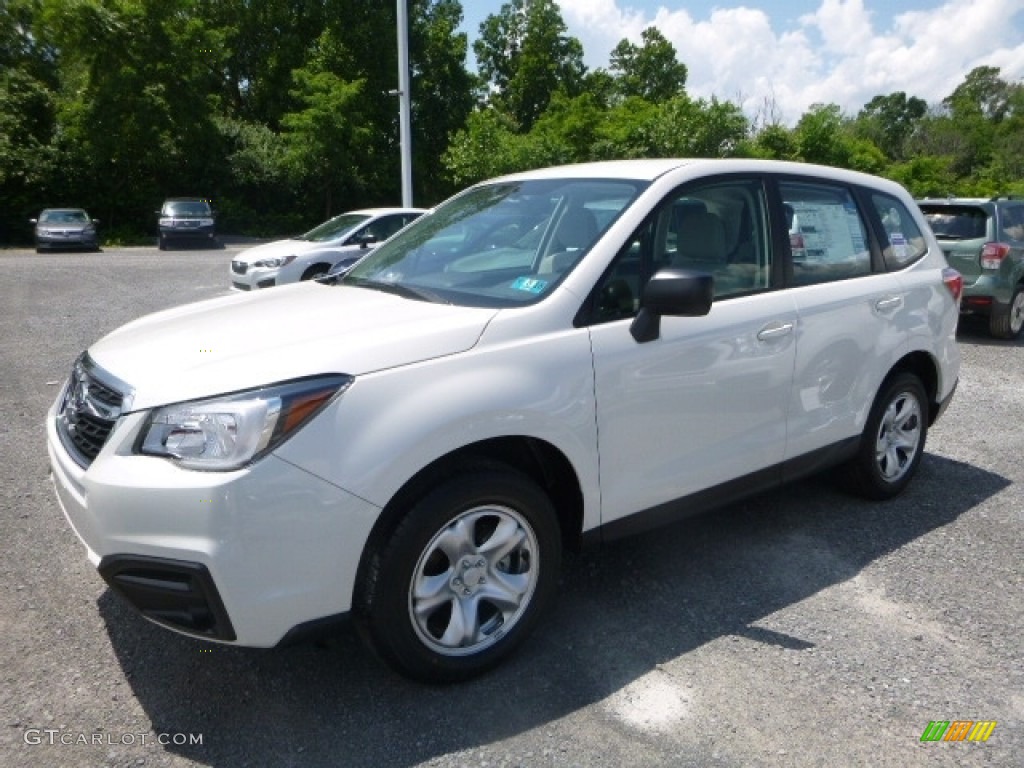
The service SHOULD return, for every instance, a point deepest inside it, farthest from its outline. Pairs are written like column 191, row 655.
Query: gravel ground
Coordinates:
column 801, row 628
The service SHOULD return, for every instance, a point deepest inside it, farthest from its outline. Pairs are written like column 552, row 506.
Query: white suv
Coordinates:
column 545, row 360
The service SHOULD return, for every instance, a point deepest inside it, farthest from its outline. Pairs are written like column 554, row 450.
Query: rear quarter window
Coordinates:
column 904, row 242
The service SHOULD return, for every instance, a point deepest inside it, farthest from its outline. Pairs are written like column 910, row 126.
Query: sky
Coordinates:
column 775, row 59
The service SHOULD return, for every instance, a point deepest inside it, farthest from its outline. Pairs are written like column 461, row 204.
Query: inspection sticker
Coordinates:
column 530, row 284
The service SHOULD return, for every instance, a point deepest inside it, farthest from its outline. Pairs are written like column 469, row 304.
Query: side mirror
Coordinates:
column 364, row 239
column 673, row 292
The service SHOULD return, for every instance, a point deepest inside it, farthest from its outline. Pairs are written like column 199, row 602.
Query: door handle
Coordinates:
column 774, row 331
column 888, row 303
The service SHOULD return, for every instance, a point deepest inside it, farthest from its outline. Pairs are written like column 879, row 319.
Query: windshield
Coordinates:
column 187, row 208
column 64, row 217
column 335, row 228
column 498, row 245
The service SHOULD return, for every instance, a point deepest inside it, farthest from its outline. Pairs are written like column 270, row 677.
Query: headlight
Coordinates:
column 166, row 221
column 279, row 261
column 226, row 433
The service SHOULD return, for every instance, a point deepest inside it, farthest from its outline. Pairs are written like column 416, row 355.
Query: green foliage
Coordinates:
column 281, row 111
column 702, row 128
column 890, row 120
column 650, row 71
column 525, row 56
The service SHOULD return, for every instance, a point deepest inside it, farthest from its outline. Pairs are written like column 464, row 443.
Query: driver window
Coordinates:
column 720, row 228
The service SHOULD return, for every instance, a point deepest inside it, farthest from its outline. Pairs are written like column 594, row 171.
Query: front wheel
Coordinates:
column 1006, row 322
column 464, row 577
column 315, row 272
column 893, row 439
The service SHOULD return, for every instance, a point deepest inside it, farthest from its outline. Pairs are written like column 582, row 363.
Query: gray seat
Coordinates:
column 701, row 238
column 576, row 232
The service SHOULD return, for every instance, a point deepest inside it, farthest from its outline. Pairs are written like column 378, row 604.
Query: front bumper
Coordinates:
column 252, row 278
column 76, row 240
column 185, row 232
column 244, row 556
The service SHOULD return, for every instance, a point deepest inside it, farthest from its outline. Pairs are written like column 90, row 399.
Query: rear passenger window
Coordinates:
column 904, row 243
column 827, row 236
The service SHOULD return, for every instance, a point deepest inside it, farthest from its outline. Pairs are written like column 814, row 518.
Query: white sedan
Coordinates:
column 344, row 238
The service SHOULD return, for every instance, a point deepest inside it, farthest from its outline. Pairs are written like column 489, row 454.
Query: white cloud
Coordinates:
column 842, row 53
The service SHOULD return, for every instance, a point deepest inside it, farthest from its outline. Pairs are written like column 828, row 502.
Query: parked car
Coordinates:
column 983, row 238
column 65, row 228
column 546, row 360
column 186, row 220
column 342, row 239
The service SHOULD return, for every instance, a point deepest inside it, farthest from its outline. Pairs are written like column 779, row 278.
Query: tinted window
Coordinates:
column 1012, row 222
column 904, row 242
column 828, row 238
column 955, row 222
column 385, row 226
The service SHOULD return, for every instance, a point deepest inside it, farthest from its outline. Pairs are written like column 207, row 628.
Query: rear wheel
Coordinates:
column 893, row 439
column 1006, row 322
column 464, row 577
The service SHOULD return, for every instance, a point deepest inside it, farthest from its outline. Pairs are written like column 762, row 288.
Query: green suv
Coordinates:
column 983, row 239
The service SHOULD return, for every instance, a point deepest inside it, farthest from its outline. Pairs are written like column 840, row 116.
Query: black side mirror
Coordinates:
column 673, row 292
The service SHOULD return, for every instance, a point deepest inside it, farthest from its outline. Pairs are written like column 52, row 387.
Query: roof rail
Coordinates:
column 1007, row 197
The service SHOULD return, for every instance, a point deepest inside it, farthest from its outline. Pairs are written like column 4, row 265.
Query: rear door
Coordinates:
column 852, row 317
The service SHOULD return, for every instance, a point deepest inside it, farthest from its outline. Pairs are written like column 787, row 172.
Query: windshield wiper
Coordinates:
column 399, row 289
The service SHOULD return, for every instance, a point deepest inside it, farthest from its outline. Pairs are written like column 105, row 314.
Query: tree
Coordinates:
column 442, row 91
column 490, row 145
column 684, row 127
column 524, row 56
column 982, row 93
column 890, row 120
column 650, row 71
column 328, row 141
column 819, row 135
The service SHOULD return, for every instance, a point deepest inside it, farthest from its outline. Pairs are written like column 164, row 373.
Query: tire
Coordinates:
column 893, row 440
column 314, row 272
column 161, row 243
column 464, row 577
column 1006, row 322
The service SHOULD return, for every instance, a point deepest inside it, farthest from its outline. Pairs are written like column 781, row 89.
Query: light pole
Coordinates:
column 404, row 117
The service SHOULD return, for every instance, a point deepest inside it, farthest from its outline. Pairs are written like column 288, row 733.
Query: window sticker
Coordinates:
column 532, row 285
column 899, row 245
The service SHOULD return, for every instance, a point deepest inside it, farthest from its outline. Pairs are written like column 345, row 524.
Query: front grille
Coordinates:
column 239, row 267
column 88, row 410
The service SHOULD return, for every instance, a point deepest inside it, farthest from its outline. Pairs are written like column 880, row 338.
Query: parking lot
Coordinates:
column 799, row 628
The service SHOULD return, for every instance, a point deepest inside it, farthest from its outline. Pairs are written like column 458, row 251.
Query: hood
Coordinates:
column 248, row 340
column 275, row 249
